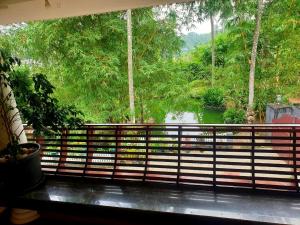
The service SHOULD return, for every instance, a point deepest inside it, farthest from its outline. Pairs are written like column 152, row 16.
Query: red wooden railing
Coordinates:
column 244, row 156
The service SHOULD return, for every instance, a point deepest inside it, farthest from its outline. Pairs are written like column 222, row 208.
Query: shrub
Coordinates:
column 197, row 71
column 214, row 98
column 198, row 88
column 234, row 116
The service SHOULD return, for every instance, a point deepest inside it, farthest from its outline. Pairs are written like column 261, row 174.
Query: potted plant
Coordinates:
column 20, row 168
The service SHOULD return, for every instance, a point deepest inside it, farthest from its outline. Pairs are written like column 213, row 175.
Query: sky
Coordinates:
column 200, row 28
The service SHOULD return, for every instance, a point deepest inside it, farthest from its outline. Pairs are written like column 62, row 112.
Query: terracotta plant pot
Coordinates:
column 24, row 174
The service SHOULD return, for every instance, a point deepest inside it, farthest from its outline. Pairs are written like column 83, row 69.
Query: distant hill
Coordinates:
column 192, row 39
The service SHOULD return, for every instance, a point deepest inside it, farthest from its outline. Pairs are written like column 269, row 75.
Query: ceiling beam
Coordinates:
column 15, row 11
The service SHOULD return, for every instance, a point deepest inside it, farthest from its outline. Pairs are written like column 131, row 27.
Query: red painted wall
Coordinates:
column 287, row 119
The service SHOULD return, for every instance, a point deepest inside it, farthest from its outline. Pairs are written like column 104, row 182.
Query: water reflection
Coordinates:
column 115, row 203
column 185, row 117
column 204, row 116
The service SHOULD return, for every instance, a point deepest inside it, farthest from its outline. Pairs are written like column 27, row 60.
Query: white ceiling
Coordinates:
column 13, row 11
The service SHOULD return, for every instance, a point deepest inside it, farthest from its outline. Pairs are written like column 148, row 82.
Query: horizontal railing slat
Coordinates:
column 245, row 156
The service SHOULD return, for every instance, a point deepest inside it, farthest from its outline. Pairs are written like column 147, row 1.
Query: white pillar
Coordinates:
column 13, row 115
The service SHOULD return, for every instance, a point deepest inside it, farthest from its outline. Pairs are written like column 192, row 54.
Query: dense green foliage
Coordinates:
column 277, row 69
column 86, row 60
column 213, row 98
column 34, row 96
column 234, row 116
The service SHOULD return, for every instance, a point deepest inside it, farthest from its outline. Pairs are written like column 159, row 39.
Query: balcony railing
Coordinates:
column 242, row 156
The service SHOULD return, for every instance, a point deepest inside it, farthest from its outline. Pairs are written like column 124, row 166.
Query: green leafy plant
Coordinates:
column 234, row 116
column 214, row 98
column 38, row 107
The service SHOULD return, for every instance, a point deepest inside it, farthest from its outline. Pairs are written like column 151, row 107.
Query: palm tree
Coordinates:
column 250, row 110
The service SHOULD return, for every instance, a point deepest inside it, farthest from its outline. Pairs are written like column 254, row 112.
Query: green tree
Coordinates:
column 277, row 55
column 250, row 111
column 86, row 58
column 210, row 9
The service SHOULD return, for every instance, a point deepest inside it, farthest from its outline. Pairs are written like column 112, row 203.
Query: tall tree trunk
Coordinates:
column 213, row 53
column 130, row 68
column 250, row 110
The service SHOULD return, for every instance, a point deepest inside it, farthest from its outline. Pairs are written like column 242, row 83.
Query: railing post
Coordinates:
column 179, row 154
column 41, row 141
column 63, row 150
column 214, row 158
column 295, row 158
column 116, row 150
column 90, row 150
column 147, row 153
column 253, row 156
